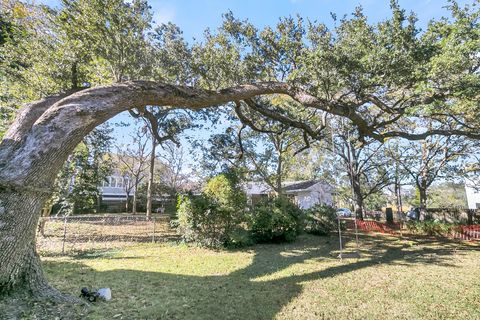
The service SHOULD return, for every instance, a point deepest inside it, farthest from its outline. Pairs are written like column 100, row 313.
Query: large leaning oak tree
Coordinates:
column 43, row 135
column 382, row 79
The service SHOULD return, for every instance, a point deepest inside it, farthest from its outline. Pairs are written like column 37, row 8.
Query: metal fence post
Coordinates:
column 153, row 235
column 64, row 234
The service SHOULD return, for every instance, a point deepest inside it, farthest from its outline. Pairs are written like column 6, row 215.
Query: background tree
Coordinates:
column 268, row 156
column 133, row 161
column 128, row 183
column 399, row 176
column 362, row 161
column 84, row 172
column 448, row 194
column 163, row 124
column 31, row 66
column 428, row 160
column 172, row 172
column 471, row 172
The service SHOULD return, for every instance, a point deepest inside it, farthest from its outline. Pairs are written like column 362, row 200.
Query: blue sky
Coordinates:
column 194, row 16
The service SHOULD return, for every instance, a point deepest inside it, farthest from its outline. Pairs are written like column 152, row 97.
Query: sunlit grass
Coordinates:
column 394, row 279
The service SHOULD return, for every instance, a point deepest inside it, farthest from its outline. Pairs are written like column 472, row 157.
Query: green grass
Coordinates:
column 394, row 279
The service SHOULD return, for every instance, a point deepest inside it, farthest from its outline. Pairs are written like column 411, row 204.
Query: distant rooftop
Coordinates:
column 288, row 186
column 299, row 185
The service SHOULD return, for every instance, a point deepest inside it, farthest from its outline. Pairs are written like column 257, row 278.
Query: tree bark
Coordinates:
column 355, row 182
column 397, row 199
column 126, row 202
column 19, row 262
column 278, row 177
column 423, row 202
column 134, row 202
column 150, row 178
column 357, row 197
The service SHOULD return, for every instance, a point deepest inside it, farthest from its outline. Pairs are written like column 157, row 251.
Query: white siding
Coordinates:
column 319, row 193
column 306, row 199
column 473, row 195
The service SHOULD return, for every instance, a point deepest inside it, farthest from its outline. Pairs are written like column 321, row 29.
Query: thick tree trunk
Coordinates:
column 357, row 199
column 19, row 262
column 356, row 190
column 134, row 202
column 18, row 236
column 151, row 173
column 423, row 203
column 355, row 183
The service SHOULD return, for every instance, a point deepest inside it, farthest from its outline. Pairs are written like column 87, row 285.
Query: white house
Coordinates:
column 305, row 194
column 473, row 194
column 113, row 189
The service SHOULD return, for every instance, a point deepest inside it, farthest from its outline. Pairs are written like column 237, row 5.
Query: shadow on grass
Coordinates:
column 240, row 294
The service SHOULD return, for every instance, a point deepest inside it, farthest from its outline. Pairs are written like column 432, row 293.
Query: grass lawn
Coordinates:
column 393, row 279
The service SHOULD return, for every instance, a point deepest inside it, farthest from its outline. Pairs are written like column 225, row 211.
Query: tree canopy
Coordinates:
column 386, row 78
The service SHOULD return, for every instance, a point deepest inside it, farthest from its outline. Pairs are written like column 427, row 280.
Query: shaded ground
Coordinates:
column 394, row 279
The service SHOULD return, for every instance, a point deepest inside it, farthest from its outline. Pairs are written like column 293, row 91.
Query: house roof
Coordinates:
column 300, row 185
column 288, row 186
column 257, row 188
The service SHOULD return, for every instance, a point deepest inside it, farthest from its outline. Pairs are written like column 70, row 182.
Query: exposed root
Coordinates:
column 48, row 293
column 47, row 305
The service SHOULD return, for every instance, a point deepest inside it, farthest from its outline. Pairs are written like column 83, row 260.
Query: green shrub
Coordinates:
column 240, row 237
column 275, row 220
column 412, row 226
column 226, row 192
column 321, row 220
column 215, row 218
column 431, row 228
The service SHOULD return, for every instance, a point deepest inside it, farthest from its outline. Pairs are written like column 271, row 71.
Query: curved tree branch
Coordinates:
column 246, row 121
column 315, row 134
column 58, row 125
column 64, row 122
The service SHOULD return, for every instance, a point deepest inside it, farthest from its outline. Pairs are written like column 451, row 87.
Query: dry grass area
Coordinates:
column 393, row 279
column 100, row 232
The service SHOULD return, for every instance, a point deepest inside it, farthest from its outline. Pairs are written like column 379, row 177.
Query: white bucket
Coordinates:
column 105, row 293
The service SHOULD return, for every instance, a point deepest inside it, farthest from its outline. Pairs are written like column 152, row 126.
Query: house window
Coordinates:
column 119, row 183
column 113, row 182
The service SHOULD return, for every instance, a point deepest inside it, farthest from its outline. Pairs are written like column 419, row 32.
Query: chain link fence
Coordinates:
column 76, row 234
